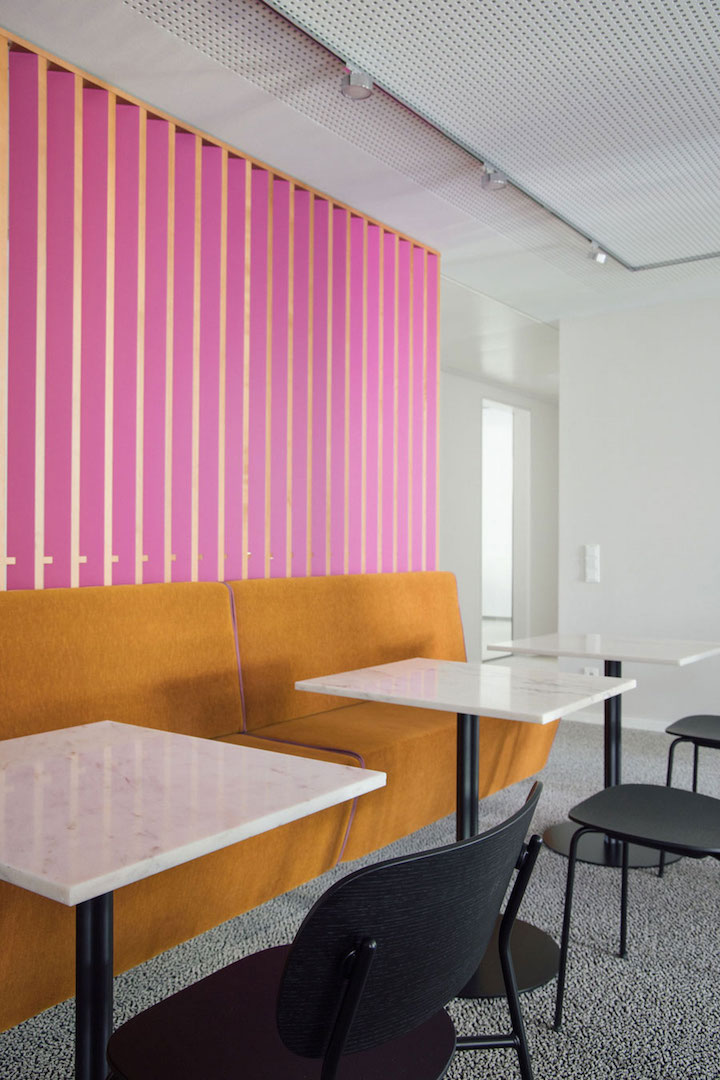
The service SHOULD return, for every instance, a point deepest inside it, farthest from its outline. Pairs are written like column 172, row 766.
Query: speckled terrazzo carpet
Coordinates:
column 652, row 1016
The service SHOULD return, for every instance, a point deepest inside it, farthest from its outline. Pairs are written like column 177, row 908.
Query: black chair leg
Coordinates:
column 572, row 861
column 517, row 1039
column 513, row 1000
column 695, row 765
column 525, row 868
column 668, row 783
column 671, row 760
column 623, row 899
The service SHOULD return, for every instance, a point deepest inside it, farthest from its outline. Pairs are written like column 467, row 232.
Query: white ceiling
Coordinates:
column 605, row 112
column 484, row 339
column 536, row 82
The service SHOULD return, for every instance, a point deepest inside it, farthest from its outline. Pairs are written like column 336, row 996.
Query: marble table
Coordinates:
column 611, row 650
column 88, row 809
column 472, row 690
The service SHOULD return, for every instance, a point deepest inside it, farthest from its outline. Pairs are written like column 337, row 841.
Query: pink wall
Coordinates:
column 237, row 378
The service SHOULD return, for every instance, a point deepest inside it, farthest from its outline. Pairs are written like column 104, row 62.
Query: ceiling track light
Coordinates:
column 356, row 84
column 492, row 179
column 596, row 253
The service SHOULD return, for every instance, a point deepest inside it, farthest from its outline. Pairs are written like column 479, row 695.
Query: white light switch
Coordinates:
column 592, row 563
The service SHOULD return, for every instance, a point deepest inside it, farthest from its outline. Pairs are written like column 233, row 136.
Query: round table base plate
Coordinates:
column 536, row 959
column 594, row 848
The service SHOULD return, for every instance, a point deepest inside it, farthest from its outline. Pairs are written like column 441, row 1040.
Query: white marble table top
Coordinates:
column 87, row 809
column 611, row 647
column 509, row 693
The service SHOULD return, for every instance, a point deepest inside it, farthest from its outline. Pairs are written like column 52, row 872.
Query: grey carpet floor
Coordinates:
column 654, row 1015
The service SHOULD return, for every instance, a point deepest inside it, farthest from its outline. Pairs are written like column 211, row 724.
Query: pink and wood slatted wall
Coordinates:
column 207, row 371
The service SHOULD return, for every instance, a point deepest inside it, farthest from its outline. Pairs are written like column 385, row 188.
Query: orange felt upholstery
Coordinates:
column 291, row 629
column 158, row 655
column 417, row 750
column 37, row 959
column 298, row 628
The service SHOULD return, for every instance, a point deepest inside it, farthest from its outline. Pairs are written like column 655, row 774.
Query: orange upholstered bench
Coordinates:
column 219, row 660
column 163, row 656
column 291, row 629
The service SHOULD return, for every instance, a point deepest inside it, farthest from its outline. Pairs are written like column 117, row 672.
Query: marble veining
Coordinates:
column 612, row 647
column 511, row 693
column 87, row 809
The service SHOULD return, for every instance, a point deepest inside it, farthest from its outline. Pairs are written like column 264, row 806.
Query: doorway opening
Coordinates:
column 505, row 524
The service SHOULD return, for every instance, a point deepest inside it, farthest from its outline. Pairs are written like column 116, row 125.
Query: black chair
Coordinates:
column 361, row 991
column 667, row 818
column 700, row 730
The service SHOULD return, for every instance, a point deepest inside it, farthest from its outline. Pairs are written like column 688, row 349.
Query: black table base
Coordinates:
column 536, row 958
column 535, row 955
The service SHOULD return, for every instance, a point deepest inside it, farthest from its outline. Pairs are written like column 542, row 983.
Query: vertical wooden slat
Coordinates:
column 41, row 327
column 222, row 375
column 124, row 447
column 268, row 370
column 195, row 489
column 396, row 347
column 423, row 564
column 436, row 448
column 310, row 359
column 337, row 299
column 140, row 366
column 76, row 336
column 346, row 509
column 290, row 379
column 410, row 405
column 4, row 278
column 328, row 393
column 282, row 377
column 59, row 329
column 363, row 406
column 381, row 396
column 246, row 369
column 109, row 338
column 169, row 349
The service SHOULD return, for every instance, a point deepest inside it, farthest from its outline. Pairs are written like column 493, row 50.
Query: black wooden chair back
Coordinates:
column 390, row 944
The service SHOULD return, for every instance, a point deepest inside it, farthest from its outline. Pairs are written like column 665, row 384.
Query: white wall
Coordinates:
column 461, row 494
column 639, row 460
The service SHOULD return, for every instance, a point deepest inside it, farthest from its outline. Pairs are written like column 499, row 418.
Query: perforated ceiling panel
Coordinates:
column 581, row 110
column 607, row 112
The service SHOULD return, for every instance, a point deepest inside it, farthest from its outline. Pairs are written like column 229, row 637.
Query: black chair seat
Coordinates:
column 657, row 817
column 703, row 729
column 671, row 819
column 186, row 1037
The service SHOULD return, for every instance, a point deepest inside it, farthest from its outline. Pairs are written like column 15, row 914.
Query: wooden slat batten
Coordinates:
column 4, row 281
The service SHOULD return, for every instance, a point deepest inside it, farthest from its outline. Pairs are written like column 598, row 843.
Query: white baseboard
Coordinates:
column 591, row 716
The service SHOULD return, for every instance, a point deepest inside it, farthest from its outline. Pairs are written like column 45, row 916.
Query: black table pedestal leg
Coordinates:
column 93, row 986
column 535, row 955
column 468, row 764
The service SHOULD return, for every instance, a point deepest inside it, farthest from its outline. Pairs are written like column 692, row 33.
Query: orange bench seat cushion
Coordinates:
column 416, row 748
